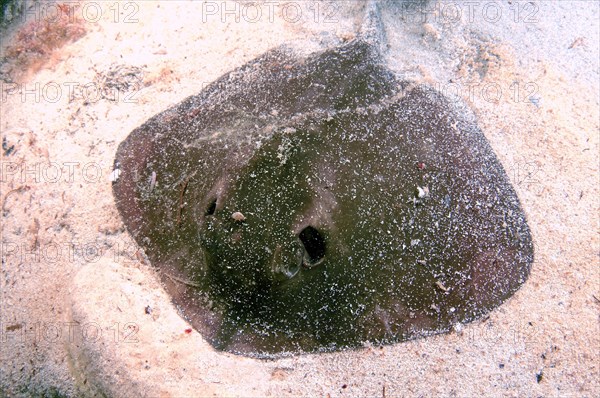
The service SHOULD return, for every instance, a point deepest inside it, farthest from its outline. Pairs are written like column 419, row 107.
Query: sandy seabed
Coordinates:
column 75, row 290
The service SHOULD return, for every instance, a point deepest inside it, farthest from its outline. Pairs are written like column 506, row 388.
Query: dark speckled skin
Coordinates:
column 375, row 211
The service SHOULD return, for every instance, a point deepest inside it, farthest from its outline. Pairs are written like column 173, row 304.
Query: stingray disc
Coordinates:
column 312, row 203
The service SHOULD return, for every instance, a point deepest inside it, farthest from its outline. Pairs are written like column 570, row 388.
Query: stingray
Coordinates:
column 311, row 202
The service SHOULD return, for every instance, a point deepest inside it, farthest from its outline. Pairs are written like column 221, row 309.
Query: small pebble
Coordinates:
column 237, row 216
column 114, row 176
column 441, row 286
column 422, row 192
column 458, row 328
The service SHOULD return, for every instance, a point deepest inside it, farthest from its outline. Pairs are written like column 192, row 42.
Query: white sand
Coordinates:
column 548, row 143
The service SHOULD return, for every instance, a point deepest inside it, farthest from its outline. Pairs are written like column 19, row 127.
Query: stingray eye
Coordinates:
column 314, row 246
column 212, row 206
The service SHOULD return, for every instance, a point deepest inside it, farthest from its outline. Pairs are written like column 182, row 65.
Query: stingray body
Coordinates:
column 315, row 202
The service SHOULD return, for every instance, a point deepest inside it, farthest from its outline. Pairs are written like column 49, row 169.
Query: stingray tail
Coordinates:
column 372, row 30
